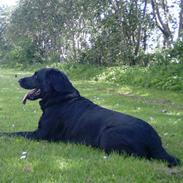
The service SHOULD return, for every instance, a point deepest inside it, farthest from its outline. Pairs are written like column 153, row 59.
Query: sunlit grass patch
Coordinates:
column 60, row 162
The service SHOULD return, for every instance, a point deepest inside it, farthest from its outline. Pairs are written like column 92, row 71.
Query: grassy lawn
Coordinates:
column 70, row 163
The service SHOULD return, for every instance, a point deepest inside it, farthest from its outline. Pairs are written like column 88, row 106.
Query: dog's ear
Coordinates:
column 59, row 82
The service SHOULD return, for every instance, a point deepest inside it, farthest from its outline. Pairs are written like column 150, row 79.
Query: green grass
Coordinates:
column 162, row 77
column 71, row 163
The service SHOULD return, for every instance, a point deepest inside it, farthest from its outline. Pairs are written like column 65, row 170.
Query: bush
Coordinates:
column 164, row 77
column 25, row 52
column 177, row 52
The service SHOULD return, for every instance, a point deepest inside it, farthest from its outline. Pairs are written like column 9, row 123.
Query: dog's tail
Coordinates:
column 156, row 151
column 161, row 154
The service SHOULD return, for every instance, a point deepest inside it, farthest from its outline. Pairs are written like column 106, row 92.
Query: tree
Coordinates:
column 99, row 32
column 162, row 19
column 180, row 34
column 4, row 20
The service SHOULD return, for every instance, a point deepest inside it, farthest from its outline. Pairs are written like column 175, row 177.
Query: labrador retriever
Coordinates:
column 69, row 117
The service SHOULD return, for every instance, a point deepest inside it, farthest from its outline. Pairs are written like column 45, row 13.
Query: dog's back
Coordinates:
column 82, row 121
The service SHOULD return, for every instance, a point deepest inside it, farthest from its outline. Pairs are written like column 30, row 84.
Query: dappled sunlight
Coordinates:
column 143, row 93
column 12, row 72
column 126, row 90
column 136, row 110
column 110, row 73
column 130, row 91
column 174, row 113
column 75, row 163
column 66, row 164
column 153, row 121
column 63, row 164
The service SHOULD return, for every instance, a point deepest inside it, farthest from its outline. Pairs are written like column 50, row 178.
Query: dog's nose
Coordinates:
column 20, row 80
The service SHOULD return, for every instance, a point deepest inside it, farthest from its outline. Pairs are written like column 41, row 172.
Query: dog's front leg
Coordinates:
column 35, row 135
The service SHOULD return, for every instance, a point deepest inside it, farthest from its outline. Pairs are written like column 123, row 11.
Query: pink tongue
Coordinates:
column 26, row 96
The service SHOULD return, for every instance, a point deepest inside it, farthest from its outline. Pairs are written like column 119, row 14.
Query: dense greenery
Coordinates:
column 163, row 77
column 69, row 163
column 104, row 32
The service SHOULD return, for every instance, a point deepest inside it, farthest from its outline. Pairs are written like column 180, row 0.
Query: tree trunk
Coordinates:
column 162, row 24
column 140, row 29
column 180, row 34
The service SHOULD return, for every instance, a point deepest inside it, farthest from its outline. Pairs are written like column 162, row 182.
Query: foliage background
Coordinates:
column 104, row 32
column 136, row 40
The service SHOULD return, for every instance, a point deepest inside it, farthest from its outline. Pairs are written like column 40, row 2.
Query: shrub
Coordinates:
column 25, row 52
column 177, row 52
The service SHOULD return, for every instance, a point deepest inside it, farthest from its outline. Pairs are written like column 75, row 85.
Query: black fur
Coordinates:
column 69, row 117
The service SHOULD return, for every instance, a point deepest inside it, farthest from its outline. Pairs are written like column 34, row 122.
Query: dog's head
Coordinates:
column 46, row 82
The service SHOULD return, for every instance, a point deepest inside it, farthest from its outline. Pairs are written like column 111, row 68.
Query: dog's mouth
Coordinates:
column 31, row 95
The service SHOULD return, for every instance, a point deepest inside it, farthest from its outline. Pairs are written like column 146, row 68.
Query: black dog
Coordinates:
column 69, row 117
